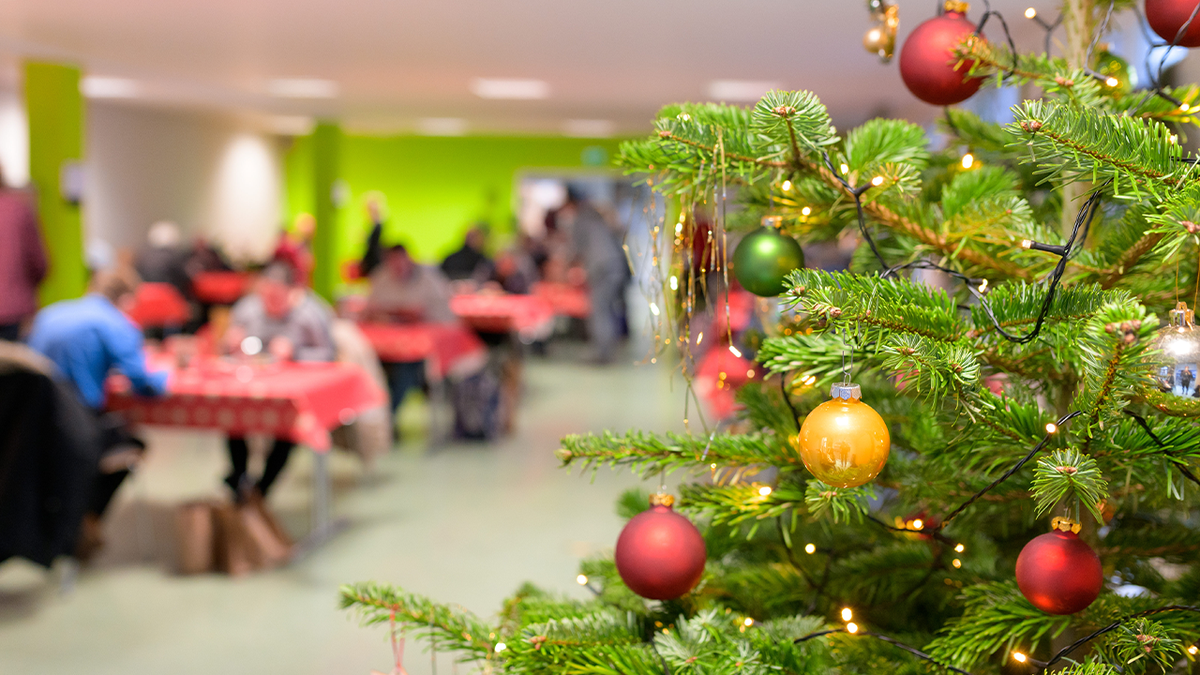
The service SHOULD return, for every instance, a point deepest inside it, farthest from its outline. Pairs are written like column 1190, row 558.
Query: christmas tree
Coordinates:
column 1037, row 410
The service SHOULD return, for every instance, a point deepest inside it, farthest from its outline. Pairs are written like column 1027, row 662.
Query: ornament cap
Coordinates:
column 956, row 6
column 773, row 222
column 662, row 499
column 1182, row 317
column 846, row 390
column 1060, row 524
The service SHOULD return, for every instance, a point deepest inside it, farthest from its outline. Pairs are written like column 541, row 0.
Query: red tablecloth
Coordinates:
column 530, row 316
column 448, row 348
column 156, row 305
column 565, row 299
column 221, row 288
column 300, row 402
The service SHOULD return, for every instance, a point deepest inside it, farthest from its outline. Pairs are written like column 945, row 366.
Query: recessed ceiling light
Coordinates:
column 442, row 126
column 589, row 128
column 302, row 88
column 740, row 91
column 512, row 89
column 109, row 87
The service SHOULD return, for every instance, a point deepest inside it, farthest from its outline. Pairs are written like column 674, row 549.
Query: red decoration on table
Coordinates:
column 156, row 305
column 300, row 402
column 221, row 288
column 566, row 299
column 1166, row 17
column 528, row 315
column 928, row 64
column 660, row 554
column 1059, row 573
column 448, row 348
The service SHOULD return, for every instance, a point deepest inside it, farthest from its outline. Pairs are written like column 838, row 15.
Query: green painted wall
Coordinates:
column 55, row 109
column 435, row 187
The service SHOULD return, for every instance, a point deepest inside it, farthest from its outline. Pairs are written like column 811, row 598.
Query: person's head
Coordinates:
column 304, row 226
column 118, row 285
column 163, row 234
column 374, row 210
column 276, row 288
column 477, row 237
column 399, row 263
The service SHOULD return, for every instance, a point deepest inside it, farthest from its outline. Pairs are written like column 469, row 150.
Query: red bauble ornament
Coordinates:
column 1166, row 17
column 660, row 554
column 927, row 61
column 1059, row 573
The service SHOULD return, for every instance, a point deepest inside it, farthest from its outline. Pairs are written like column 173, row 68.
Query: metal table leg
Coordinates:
column 324, row 526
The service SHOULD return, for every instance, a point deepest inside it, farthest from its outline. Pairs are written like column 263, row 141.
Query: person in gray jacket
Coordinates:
column 291, row 325
column 599, row 247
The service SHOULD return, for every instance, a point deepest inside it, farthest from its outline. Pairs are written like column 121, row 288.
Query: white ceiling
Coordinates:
column 398, row 61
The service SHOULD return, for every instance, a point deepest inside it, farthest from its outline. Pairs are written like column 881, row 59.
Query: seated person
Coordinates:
column 469, row 262
column 291, row 325
column 514, row 271
column 86, row 339
column 163, row 260
column 402, row 289
column 295, row 248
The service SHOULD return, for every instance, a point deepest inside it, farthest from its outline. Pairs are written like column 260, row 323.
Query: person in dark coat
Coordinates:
column 469, row 261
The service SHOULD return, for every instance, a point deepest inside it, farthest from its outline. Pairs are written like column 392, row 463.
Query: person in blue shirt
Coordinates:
column 87, row 339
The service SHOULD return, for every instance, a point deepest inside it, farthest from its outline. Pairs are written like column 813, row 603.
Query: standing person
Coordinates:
column 87, row 338
column 403, row 290
column 373, row 255
column 22, row 260
column 285, row 319
column 295, row 249
column 599, row 247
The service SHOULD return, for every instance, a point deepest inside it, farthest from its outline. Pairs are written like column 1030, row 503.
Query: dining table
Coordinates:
column 529, row 317
column 295, row 401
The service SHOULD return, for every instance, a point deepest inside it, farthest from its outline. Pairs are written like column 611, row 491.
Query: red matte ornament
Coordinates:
column 927, row 61
column 1166, row 17
column 660, row 554
column 1059, row 573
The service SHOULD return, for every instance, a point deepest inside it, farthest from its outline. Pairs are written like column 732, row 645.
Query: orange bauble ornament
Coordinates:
column 844, row 442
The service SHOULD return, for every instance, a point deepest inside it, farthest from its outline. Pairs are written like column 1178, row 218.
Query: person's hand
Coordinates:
column 281, row 348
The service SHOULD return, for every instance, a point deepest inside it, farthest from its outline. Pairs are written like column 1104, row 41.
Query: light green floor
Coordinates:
column 465, row 524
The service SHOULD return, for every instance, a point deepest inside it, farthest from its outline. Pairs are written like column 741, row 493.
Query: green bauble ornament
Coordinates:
column 1116, row 70
column 764, row 258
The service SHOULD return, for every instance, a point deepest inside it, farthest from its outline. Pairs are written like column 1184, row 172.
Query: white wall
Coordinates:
column 210, row 173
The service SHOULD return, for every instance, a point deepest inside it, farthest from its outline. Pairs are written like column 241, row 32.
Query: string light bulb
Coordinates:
column 1031, row 13
column 852, row 628
column 805, row 211
column 748, row 622
column 1193, row 650
column 960, row 548
column 674, row 283
column 734, row 350
column 581, row 580
column 918, row 524
column 765, row 491
column 1019, row 657
column 500, row 646
column 877, row 181
column 968, row 160
column 845, row 168
column 1184, row 107
column 957, row 563
column 1051, row 428
column 847, row 614
column 810, row 548
column 787, row 186
column 1112, row 81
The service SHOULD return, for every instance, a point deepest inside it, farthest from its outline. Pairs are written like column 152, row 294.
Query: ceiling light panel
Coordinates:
column 442, row 126
column 109, row 87
column 302, row 88
column 589, row 128
column 739, row 91
column 510, row 89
